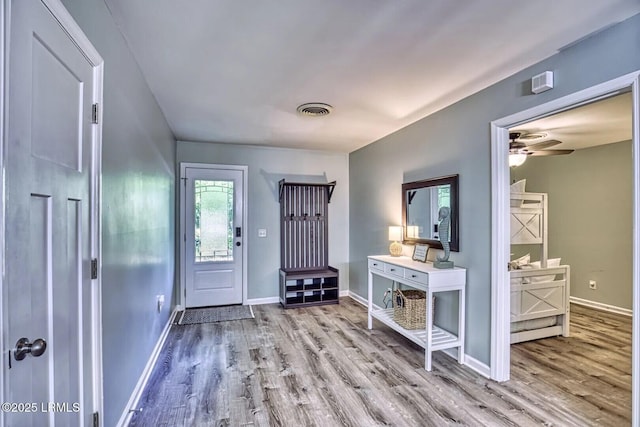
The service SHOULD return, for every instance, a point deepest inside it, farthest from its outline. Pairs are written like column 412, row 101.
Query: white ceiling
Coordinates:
column 235, row 71
column 598, row 123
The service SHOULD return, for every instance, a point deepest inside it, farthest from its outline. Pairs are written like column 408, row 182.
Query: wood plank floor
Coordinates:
column 320, row 366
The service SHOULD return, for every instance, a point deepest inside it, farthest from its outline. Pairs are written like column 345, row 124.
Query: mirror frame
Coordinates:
column 452, row 180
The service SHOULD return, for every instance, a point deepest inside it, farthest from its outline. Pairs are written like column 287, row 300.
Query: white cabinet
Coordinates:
column 425, row 277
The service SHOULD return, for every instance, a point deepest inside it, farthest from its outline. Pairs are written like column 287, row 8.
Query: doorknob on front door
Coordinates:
column 23, row 347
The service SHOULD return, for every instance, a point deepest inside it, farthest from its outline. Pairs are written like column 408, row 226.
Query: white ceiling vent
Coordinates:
column 315, row 109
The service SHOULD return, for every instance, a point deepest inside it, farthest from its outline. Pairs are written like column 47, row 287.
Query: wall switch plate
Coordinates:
column 262, row 232
column 160, row 302
column 593, row 284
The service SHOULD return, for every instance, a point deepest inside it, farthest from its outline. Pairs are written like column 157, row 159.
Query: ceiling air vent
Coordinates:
column 315, row 109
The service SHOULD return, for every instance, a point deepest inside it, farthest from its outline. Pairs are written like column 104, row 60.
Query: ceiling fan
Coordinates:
column 519, row 151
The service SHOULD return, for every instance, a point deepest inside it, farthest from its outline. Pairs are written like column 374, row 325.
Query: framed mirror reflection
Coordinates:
column 421, row 208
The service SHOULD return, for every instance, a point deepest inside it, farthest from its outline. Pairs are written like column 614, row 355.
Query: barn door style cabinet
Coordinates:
column 305, row 275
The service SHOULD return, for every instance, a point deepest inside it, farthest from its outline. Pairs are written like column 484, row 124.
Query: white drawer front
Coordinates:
column 376, row 265
column 416, row 276
column 394, row 270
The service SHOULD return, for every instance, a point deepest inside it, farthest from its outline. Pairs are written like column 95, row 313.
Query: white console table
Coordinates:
column 423, row 276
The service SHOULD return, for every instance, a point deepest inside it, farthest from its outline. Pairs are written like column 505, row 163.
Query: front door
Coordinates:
column 48, row 373
column 213, row 235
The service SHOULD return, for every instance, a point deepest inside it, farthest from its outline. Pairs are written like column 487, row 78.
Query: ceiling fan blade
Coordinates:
column 544, row 144
column 550, row 152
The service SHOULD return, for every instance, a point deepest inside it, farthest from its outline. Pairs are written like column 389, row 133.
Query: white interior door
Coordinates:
column 49, row 174
column 213, row 252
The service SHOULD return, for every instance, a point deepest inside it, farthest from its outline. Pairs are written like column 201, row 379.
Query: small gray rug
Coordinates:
column 193, row 316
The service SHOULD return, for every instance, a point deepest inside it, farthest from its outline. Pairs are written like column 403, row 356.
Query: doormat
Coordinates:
column 194, row 316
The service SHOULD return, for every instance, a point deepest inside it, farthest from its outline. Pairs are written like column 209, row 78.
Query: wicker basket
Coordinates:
column 409, row 308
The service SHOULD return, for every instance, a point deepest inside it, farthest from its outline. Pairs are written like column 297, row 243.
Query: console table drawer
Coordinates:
column 416, row 276
column 376, row 265
column 394, row 270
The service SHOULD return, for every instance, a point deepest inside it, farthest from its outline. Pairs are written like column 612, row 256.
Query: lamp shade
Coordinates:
column 395, row 233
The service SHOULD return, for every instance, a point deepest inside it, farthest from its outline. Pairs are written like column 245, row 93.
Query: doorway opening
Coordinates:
column 213, row 248
column 500, row 345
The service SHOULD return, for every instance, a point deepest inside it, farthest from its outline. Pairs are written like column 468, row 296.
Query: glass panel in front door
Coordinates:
column 213, row 210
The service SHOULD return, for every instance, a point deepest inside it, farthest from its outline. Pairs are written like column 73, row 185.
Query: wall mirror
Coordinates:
column 421, row 201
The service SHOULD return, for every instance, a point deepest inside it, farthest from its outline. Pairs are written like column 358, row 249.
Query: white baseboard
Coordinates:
column 601, row 306
column 146, row 373
column 260, row 301
column 344, row 293
column 477, row 366
column 358, row 298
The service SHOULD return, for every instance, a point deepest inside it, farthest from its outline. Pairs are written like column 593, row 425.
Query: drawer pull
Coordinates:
column 413, row 276
column 393, row 269
column 375, row 264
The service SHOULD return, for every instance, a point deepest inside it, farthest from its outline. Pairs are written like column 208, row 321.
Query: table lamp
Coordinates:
column 395, row 236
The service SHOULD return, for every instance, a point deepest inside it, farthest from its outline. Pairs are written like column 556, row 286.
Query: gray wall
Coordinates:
column 457, row 140
column 266, row 167
column 138, row 211
column 590, row 217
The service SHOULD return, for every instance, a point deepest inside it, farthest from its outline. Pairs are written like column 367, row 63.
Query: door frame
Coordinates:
column 500, row 247
column 181, row 302
column 73, row 30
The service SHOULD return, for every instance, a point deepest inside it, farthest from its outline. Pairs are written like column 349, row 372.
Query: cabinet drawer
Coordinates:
column 416, row 276
column 394, row 270
column 376, row 265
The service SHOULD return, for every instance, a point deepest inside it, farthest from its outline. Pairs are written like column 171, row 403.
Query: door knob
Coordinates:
column 238, row 243
column 23, row 347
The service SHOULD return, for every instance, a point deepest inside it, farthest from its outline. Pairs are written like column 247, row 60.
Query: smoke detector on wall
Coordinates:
column 542, row 82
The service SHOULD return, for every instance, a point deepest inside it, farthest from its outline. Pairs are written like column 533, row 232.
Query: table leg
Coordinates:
column 370, row 299
column 461, row 324
column 429, row 327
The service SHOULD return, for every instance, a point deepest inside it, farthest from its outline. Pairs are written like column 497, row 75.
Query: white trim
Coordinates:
column 4, row 40
column 261, row 301
column 601, row 306
column 477, row 366
column 500, row 301
column 344, row 293
column 74, row 31
column 245, row 214
column 500, row 347
column 96, row 297
column 125, row 418
column 635, row 353
column 358, row 298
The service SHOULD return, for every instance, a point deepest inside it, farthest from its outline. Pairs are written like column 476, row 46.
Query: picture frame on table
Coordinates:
column 420, row 252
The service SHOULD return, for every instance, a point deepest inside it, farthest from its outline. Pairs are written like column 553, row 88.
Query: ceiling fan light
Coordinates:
column 516, row 159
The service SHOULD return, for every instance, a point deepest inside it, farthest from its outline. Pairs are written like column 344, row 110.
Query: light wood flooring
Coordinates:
column 321, row 366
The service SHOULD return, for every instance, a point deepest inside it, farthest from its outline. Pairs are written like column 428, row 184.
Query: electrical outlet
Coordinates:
column 593, row 284
column 160, row 302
